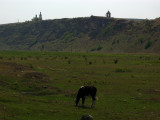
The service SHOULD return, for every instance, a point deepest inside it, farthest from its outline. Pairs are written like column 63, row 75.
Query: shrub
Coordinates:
column 104, row 62
column 68, row 36
column 9, row 58
column 141, row 40
column 113, row 42
column 33, row 43
column 97, row 48
column 95, row 81
column 122, row 70
column 148, row 44
column 115, row 61
column 85, row 58
column 1, row 57
column 31, row 66
column 93, row 49
column 65, row 57
column 21, row 58
column 25, row 58
column 117, row 41
column 69, row 61
column 37, row 57
column 69, row 81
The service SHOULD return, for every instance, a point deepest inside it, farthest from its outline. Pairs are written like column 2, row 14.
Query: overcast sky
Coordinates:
column 22, row 10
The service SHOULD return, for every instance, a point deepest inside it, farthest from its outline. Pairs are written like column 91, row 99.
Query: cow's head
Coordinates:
column 76, row 101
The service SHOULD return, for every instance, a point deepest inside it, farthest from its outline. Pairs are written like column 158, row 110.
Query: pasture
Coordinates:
column 43, row 85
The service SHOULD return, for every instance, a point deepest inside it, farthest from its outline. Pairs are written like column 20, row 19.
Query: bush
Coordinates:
column 21, row 58
column 122, row 70
column 104, row 62
column 97, row 48
column 93, row 49
column 69, row 61
column 65, row 57
column 116, row 61
column 9, row 58
column 148, row 44
column 68, row 36
column 37, row 57
column 31, row 66
column 1, row 57
column 141, row 40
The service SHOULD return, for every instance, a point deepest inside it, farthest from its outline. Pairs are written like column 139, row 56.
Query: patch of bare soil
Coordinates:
column 70, row 93
column 156, row 93
column 16, row 66
column 155, row 99
column 43, row 90
column 12, row 69
column 38, row 76
column 153, row 91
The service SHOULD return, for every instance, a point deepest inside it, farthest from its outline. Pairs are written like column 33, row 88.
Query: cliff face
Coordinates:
column 94, row 34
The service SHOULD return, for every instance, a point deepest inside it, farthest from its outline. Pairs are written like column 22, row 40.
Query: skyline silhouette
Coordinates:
column 17, row 10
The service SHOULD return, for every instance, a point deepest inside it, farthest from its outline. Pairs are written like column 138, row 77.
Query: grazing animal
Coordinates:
column 86, row 91
column 86, row 117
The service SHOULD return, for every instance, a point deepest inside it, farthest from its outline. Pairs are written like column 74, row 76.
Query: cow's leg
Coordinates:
column 83, row 99
column 93, row 101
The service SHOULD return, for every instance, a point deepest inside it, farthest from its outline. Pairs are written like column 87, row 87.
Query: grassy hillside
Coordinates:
column 43, row 85
column 93, row 34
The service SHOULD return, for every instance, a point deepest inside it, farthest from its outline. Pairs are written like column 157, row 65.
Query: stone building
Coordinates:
column 108, row 14
column 36, row 18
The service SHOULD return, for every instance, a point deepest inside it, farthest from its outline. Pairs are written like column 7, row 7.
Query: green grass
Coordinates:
column 43, row 85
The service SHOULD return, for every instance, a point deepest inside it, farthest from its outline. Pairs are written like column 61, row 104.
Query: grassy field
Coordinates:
column 43, row 85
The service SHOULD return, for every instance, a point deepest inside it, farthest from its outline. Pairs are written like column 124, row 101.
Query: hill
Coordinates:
column 90, row 34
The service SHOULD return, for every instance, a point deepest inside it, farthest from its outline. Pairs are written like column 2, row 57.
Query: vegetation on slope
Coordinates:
column 83, row 35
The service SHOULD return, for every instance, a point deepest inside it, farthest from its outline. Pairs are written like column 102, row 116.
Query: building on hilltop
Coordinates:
column 40, row 16
column 108, row 14
column 36, row 17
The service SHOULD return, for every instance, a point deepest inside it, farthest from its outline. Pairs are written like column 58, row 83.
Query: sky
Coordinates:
column 12, row 11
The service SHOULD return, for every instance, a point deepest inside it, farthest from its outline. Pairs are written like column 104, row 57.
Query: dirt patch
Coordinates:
column 43, row 91
column 69, row 93
column 38, row 76
column 155, row 99
column 15, row 66
column 153, row 91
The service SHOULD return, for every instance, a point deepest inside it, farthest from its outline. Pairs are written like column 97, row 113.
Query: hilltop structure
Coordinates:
column 36, row 18
column 40, row 16
column 108, row 14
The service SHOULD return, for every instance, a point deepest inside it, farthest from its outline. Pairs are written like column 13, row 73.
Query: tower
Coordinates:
column 40, row 16
column 35, row 18
column 108, row 14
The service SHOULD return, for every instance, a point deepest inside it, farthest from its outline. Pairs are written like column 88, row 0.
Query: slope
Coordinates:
column 90, row 34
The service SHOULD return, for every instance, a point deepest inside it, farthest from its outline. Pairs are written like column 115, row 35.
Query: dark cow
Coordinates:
column 86, row 91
